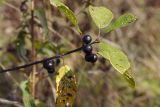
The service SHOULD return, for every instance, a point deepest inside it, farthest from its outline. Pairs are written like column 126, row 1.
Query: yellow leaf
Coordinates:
column 66, row 87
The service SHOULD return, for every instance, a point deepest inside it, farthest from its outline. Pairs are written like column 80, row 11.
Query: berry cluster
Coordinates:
column 49, row 65
column 87, row 49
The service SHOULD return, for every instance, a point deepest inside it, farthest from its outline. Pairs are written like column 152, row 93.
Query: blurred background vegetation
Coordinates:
column 99, row 84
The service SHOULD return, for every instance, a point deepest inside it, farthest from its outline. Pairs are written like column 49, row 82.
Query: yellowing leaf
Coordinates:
column 66, row 87
column 101, row 16
column 116, row 57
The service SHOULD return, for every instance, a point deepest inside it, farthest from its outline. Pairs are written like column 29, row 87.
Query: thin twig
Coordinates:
column 8, row 102
column 40, row 61
column 33, row 49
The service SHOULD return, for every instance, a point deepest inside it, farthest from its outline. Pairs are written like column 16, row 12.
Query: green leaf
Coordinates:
column 129, row 79
column 20, row 45
column 66, row 87
column 101, row 16
column 122, row 21
column 116, row 57
column 70, row 15
column 27, row 97
column 42, row 17
column 68, row 12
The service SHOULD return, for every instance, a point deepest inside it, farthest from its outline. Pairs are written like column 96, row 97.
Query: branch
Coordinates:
column 33, row 75
column 7, row 102
column 41, row 61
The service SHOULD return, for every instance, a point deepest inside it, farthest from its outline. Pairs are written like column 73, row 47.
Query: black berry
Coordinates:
column 50, row 71
column 91, row 58
column 87, row 39
column 87, row 49
column 23, row 7
column 58, row 61
column 49, row 65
